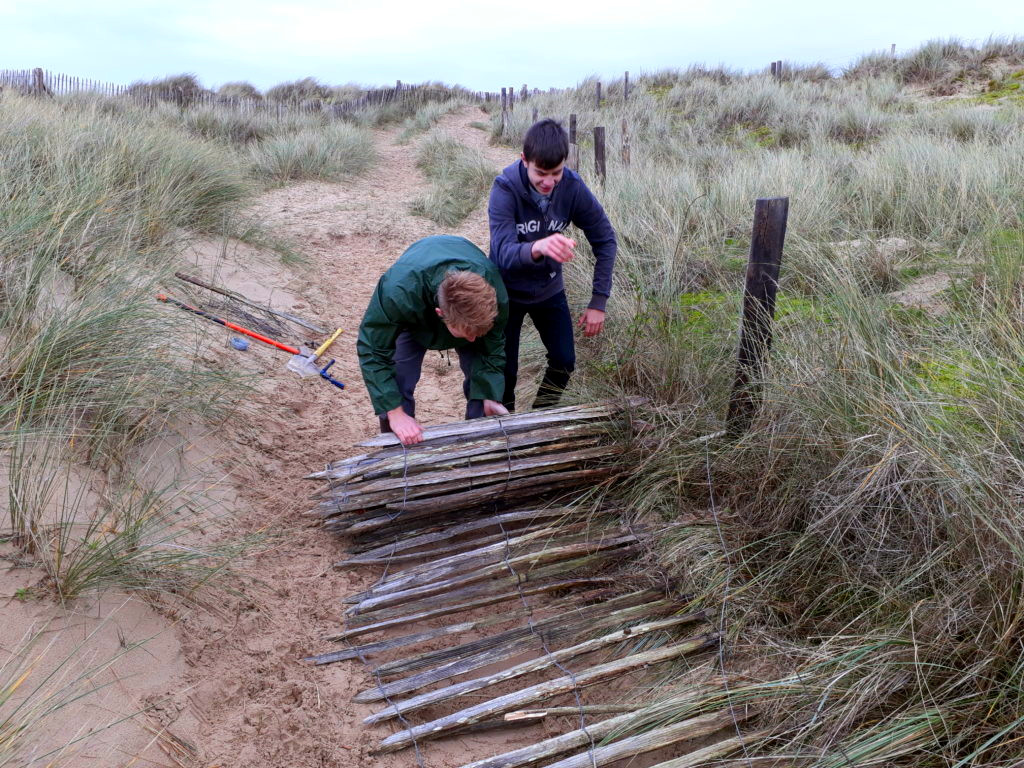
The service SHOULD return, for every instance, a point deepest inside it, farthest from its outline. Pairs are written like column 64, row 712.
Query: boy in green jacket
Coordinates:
column 442, row 293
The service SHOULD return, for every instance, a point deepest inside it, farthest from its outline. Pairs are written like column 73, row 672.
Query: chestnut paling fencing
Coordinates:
column 479, row 560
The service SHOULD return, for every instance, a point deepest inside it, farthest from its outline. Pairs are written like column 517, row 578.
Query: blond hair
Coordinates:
column 468, row 302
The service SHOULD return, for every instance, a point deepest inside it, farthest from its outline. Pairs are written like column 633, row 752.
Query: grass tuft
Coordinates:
column 460, row 179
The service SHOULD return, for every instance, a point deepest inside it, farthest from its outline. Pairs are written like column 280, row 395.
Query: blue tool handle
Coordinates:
column 325, row 375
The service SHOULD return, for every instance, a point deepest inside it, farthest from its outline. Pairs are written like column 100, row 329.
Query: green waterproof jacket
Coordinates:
column 406, row 299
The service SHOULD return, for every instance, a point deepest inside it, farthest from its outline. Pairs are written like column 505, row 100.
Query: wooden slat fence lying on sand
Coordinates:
column 441, row 518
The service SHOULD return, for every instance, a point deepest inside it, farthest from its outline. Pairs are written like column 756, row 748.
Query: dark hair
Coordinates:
column 546, row 144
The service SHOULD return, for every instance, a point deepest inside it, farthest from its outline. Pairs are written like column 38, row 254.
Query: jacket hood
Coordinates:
column 514, row 177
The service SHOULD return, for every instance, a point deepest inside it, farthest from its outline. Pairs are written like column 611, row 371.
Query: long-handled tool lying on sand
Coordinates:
column 300, row 357
column 304, row 363
column 227, row 324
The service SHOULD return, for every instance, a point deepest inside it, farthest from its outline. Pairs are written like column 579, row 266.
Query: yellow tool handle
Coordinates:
column 323, row 347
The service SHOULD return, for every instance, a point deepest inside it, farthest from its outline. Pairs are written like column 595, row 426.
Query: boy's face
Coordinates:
column 543, row 180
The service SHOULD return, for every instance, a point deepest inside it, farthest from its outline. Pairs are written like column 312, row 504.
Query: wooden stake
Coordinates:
column 599, row 165
column 574, row 150
column 769, row 234
column 625, row 87
column 625, row 143
column 597, row 94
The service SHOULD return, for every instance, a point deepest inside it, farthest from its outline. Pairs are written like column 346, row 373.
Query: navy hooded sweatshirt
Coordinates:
column 517, row 221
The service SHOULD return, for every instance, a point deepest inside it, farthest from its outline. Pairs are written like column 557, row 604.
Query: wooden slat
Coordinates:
column 372, row 649
column 543, row 691
column 450, row 532
column 484, row 572
column 516, row 422
column 614, row 609
column 718, row 750
column 533, row 665
column 651, row 740
column 555, row 745
column 470, row 605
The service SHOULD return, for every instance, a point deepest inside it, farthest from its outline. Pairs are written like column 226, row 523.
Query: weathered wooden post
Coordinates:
column 597, row 101
column 625, row 143
column 625, row 88
column 524, row 93
column 778, row 69
column 574, row 150
column 504, row 108
column 892, row 49
column 599, row 165
column 534, row 116
column 38, row 82
column 511, row 98
column 766, row 241
column 773, row 68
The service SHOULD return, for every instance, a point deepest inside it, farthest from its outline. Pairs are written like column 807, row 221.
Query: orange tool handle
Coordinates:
column 259, row 337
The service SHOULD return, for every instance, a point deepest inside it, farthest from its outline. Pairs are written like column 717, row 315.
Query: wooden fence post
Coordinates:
column 773, row 68
column 504, row 107
column 39, row 82
column 597, row 102
column 574, row 150
column 766, row 241
column 511, row 98
column 625, row 143
column 524, row 93
column 625, row 88
column 778, row 68
column 534, row 120
column 599, row 165
column 892, row 49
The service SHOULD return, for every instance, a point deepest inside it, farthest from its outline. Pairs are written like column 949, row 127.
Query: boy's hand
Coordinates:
column 494, row 408
column 592, row 321
column 405, row 427
column 556, row 247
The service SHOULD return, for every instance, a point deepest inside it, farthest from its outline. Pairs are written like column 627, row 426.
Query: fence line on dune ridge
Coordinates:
column 42, row 82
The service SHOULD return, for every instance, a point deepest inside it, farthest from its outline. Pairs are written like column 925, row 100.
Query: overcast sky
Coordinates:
column 479, row 45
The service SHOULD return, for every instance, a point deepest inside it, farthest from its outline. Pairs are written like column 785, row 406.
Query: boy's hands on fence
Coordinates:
column 494, row 408
column 592, row 321
column 556, row 247
column 405, row 427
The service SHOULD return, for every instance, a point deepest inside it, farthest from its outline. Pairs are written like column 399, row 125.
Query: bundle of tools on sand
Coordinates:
column 483, row 519
column 472, row 466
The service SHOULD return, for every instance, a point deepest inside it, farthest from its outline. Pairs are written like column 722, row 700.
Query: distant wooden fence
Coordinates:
column 45, row 83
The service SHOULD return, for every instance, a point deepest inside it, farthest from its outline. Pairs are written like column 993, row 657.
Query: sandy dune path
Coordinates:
column 247, row 699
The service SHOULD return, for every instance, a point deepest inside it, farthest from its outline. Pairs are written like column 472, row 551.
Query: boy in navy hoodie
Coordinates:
column 531, row 202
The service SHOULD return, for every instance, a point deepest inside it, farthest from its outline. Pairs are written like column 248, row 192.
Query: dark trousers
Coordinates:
column 553, row 322
column 408, row 365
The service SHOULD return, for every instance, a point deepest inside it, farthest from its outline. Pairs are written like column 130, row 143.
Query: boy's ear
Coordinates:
column 523, row 155
column 439, row 312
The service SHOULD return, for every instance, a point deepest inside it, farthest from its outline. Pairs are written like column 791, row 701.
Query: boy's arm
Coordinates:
column 506, row 250
column 488, row 379
column 375, row 347
column 589, row 216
